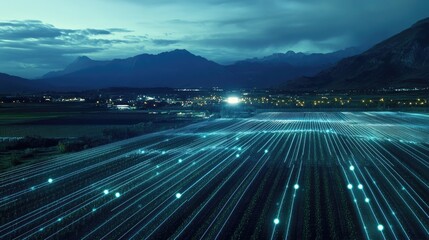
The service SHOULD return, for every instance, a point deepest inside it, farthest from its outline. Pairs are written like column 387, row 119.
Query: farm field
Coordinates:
column 68, row 120
column 318, row 175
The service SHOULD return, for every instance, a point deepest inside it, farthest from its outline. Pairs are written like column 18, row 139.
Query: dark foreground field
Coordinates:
column 276, row 175
column 34, row 132
column 68, row 120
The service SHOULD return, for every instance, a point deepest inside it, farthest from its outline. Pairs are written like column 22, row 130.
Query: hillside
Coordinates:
column 400, row 61
column 13, row 84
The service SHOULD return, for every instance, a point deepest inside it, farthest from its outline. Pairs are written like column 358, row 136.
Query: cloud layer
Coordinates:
column 32, row 47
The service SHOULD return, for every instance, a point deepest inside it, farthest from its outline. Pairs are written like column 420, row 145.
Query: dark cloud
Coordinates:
column 258, row 27
column 31, row 48
column 164, row 42
column 97, row 32
column 18, row 30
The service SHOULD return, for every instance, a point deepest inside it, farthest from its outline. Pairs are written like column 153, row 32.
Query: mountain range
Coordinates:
column 400, row 61
column 180, row 68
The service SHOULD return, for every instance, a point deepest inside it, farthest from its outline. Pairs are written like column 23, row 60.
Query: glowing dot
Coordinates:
column 380, row 227
column 50, row 180
column 367, row 200
column 233, row 100
column 239, row 149
column 360, row 186
column 117, row 194
column 236, row 138
column 59, row 219
column 94, row 209
column 237, row 155
column 106, row 192
column 296, row 186
column 266, row 151
column 163, row 152
column 33, row 188
column 180, row 160
column 41, row 229
column 157, row 166
column 204, row 136
column 178, row 195
column 276, row 221
column 349, row 186
column 352, row 168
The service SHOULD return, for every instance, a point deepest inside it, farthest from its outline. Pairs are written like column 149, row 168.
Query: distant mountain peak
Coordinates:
column 290, row 52
column 80, row 63
column 181, row 52
column 83, row 58
column 300, row 59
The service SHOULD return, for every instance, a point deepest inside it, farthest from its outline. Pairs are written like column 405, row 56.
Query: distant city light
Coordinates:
column 233, row 100
column 276, row 221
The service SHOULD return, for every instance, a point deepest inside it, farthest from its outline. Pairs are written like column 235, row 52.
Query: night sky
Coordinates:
column 44, row 35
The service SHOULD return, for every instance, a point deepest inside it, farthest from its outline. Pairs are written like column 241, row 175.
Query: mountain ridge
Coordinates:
column 14, row 84
column 399, row 61
column 181, row 68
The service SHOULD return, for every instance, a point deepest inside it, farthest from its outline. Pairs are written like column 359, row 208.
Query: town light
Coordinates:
column 233, row 100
